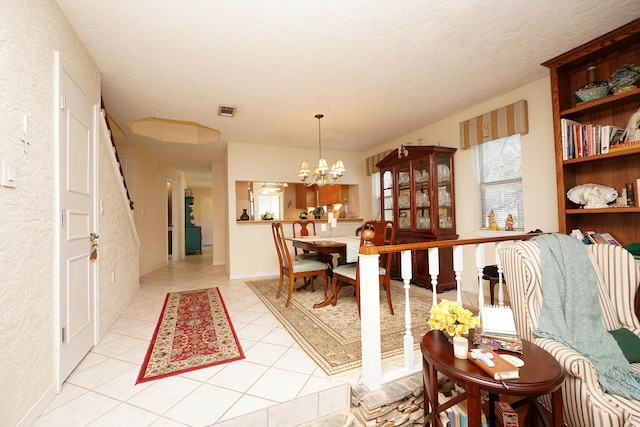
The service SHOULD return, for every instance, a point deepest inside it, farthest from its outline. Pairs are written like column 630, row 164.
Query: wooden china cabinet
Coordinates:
column 418, row 194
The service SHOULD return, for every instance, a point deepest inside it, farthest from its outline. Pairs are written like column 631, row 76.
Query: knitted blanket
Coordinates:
column 571, row 313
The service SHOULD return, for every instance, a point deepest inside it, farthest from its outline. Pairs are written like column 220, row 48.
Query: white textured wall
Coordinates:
column 147, row 182
column 220, row 226
column 119, row 245
column 30, row 33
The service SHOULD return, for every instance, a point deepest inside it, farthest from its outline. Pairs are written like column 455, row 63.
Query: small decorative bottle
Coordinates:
column 244, row 216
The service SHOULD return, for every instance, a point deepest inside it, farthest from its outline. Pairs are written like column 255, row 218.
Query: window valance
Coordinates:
column 371, row 161
column 500, row 123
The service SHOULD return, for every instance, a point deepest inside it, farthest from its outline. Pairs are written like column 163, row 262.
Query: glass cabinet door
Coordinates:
column 404, row 198
column 421, row 195
column 388, row 199
column 445, row 192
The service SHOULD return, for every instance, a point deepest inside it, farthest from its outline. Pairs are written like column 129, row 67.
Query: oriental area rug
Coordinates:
column 194, row 331
column 331, row 334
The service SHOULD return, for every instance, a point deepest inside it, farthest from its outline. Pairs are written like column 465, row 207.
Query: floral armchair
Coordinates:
column 585, row 404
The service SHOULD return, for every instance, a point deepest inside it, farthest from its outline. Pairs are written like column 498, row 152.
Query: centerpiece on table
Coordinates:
column 454, row 320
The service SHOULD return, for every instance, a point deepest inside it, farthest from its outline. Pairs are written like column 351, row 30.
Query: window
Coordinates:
column 500, row 178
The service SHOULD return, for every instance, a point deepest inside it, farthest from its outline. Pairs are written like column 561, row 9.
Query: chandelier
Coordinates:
column 322, row 174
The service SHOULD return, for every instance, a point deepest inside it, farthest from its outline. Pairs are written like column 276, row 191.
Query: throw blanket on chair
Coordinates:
column 571, row 313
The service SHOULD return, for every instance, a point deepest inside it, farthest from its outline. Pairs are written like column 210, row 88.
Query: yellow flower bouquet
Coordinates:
column 451, row 318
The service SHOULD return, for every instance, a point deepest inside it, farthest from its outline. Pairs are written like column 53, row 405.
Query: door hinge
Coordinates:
column 63, row 102
column 63, row 218
column 64, row 334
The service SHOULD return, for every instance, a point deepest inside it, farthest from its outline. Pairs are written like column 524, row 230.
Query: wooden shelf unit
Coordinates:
column 568, row 72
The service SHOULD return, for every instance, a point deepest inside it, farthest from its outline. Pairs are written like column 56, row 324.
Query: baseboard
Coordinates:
column 38, row 409
column 103, row 331
column 254, row 276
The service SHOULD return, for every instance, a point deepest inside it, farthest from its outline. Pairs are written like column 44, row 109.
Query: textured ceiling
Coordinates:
column 377, row 69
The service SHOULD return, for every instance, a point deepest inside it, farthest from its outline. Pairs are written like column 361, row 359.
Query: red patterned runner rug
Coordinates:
column 194, row 331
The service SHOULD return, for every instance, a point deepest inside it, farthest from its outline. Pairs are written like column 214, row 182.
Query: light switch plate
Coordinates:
column 7, row 173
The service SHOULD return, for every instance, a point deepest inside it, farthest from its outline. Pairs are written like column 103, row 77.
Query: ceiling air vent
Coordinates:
column 226, row 110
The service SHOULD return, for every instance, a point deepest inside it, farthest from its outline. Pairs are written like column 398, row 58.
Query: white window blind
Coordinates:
column 500, row 178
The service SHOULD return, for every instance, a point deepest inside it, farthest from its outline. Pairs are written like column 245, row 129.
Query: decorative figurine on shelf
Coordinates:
column 632, row 131
column 493, row 224
column 593, row 198
column 508, row 224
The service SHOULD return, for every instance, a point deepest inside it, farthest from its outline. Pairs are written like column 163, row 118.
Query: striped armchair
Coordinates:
column 585, row 404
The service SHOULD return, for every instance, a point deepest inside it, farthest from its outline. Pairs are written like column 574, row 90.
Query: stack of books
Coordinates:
column 582, row 140
column 602, row 238
column 505, row 414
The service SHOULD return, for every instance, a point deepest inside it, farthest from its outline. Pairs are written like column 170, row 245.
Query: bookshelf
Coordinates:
column 568, row 72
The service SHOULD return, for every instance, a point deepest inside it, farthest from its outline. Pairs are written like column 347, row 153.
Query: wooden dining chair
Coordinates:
column 384, row 233
column 295, row 268
column 304, row 228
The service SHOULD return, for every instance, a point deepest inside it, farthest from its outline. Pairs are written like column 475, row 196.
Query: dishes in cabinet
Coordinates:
column 405, row 221
column 422, row 199
column 445, row 222
column 421, row 176
column 403, row 201
column 588, row 194
column 444, row 173
column 423, row 223
column 444, row 198
column 403, row 178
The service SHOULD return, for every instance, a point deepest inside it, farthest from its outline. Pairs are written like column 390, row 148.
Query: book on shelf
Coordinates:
column 631, row 193
column 616, row 138
column 605, row 137
column 591, row 236
column 446, row 416
column 608, row 238
column 583, row 140
column 502, row 369
column 498, row 321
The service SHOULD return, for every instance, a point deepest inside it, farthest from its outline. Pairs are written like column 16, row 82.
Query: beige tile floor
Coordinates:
column 276, row 385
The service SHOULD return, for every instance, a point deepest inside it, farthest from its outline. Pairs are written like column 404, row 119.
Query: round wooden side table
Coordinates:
column 540, row 375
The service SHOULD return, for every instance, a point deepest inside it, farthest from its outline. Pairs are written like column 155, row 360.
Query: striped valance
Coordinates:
column 371, row 161
column 500, row 123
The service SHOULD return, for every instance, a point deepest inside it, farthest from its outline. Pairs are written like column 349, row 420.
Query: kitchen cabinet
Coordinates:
column 568, row 72
column 329, row 195
column 418, row 194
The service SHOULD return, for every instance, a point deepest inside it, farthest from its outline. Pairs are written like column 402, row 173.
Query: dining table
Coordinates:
column 346, row 247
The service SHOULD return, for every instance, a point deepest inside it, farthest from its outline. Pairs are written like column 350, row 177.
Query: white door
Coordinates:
column 77, row 223
column 206, row 220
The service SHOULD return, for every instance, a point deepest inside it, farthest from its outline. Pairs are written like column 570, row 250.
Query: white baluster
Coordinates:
column 406, row 271
column 457, row 268
column 500, row 278
column 434, row 271
column 480, row 269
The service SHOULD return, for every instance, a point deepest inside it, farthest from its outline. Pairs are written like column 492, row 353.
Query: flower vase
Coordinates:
column 244, row 216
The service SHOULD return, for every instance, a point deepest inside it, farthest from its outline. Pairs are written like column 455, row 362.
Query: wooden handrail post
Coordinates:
column 370, row 321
